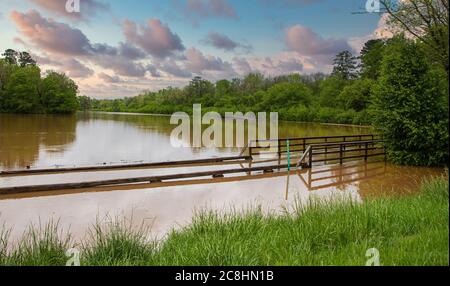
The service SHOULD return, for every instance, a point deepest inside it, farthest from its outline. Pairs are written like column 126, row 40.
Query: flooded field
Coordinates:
column 100, row 138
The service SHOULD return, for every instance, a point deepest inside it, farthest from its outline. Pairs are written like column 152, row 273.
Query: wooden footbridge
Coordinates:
column 258, row 157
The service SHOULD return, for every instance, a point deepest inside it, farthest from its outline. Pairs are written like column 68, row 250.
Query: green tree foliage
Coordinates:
column 371, row 57
column 345, row 66
column 357, row 95
column 25, row 59
column 426, row 21
column 286, row 94
column 330, row 88
column 410, row 106
column 10, row 56
column 58, row 93
column 22, row 90
column 85, row 103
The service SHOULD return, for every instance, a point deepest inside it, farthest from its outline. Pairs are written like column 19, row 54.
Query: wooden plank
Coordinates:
column 127, row 166
column 82, row 185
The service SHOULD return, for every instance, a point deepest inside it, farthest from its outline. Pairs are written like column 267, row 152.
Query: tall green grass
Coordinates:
column 411, row 230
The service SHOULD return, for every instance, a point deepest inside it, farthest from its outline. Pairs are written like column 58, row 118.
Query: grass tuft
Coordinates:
column 115, row 243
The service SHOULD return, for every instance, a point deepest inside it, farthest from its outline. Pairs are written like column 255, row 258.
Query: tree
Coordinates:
column 223, row 88
column 59, row 93
column 371, row 57
column 425, row 20
column 345, row 66
column 330, row 88
column 357, row 95
column 5, row 72
column 25, row 59
column 21, row 91
column 11, row 56
column 253, row 82
column 85, row 103
column 286, row 94
column 198, row 88
column 410, row 106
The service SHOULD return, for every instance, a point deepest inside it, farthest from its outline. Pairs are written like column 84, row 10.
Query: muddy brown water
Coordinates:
column 87, row 139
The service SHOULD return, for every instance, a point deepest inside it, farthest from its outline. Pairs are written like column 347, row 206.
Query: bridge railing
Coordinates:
column 341, row 151
column 299, row 145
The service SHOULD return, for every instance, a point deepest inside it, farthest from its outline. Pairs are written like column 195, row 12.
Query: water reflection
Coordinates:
column 371, row 179
column 341, row 177
column 24, row 137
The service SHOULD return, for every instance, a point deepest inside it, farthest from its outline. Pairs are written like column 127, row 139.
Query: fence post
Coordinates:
column 288, row 154
column 366, row 153
column 310, row 156
column 279, row 149
column 341, row 153
column 279, row 154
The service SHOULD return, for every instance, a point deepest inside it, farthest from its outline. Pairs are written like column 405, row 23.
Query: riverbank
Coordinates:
column 310, row 115
column 411, row 230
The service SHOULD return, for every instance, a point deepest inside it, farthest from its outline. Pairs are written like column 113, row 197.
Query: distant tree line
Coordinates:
column 24, row 90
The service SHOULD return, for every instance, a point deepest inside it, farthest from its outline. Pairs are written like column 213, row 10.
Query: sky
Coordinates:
column 119, row 48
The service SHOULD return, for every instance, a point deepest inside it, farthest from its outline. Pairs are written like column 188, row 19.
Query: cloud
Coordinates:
column 210, row 8
column 129, row 51
column 76, row 69
column 51, row 36
column 109, row 79
column 242, row 65
column 88, row 8
column 121, row 66
column 172, row 68
column 198, row 63
column 155, row 38
column 306, row 42
column 70, row 66
column 223, row 42
column 279, row 64
column 63, row 41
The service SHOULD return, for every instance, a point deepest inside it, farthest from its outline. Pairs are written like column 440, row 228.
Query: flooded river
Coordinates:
column 86, row 139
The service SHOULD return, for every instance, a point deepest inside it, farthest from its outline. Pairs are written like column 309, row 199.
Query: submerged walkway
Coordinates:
column 290, row 154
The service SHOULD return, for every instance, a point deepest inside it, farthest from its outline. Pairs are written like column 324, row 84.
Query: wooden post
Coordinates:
column 341, row 153
column 288, row 150
column 366, row 153
column 279, row 154
column 311, row 156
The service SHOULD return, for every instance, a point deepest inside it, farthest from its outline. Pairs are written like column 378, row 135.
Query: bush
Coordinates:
column 409, row 106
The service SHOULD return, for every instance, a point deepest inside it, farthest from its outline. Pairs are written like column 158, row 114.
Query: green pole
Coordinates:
column 288, row 155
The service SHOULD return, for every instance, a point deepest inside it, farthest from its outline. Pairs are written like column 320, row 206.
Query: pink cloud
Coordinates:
column 307, row 43
column 50, row 35
column 88, row 8
column 155, row 38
